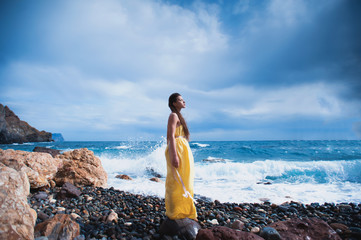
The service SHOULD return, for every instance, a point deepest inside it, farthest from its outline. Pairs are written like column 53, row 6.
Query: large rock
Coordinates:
column 312, row 229
column 39, row 167
column 182, row 228
column 13, row 130
column 17, row 219
column 61, row 226
column 81, row 168
column 225, row 233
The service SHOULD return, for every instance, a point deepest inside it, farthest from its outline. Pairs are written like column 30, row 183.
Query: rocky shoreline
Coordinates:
column 47, row 195
column 140, row 217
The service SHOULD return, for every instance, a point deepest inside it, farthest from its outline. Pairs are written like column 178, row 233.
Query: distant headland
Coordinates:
column 14, row 130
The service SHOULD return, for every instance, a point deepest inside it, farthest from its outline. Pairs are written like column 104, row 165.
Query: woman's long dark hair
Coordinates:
column 172, row 99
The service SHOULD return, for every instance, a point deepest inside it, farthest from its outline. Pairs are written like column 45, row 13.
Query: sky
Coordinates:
column 247, row 69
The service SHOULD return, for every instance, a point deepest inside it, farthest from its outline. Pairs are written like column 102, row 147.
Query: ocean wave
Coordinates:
column 232, row 181
column 201, row 145
column 119, row 147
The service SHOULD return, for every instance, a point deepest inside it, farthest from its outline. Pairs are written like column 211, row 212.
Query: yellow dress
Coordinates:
column 179, row 187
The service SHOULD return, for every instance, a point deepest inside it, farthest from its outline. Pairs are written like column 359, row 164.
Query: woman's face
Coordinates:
column 180, row 103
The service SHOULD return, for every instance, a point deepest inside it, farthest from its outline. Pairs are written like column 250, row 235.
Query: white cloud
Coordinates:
column 315, row 99
column 136, row 38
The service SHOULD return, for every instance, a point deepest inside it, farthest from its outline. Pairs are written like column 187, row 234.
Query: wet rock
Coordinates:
column 152, row 172
column 52, row 152
column 183, row 228
column 269, row 233
column 225, row 233
column 155, row 179
column 298, row 229
column 81, row 168
column 124, row 177
column 61, row 226
column 68, row 190
column 17, row 219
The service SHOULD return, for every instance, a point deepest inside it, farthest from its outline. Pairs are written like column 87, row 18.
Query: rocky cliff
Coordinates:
column 13, row 130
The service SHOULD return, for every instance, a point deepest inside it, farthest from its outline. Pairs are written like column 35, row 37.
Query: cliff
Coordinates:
column 57, row 137
column 13, row 130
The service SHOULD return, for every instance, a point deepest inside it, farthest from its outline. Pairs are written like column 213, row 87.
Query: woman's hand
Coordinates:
column 175, row 161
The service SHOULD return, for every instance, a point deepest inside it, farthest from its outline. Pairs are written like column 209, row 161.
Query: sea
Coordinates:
column 236, row 171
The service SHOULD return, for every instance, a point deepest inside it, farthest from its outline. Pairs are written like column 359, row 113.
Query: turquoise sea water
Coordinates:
column 237, row 171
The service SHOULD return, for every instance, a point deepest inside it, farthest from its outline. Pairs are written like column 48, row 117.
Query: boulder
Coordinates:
column 39, row 167
column 225, row 233
column 13, row 130
column 81, row 168
column 182, row 228
column 61, row 226
column 297, row 229
column 52, row 152
column 17, row 219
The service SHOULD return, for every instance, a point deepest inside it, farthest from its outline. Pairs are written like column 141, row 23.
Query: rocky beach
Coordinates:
column 106, row 213
column 52, row 195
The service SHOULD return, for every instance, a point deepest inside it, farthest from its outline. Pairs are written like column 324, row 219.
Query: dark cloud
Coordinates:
column 325, row 48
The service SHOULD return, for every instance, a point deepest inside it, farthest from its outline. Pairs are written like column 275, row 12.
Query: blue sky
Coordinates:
column 248, row 70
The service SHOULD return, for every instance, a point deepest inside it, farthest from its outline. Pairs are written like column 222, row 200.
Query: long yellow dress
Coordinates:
column 179, row 187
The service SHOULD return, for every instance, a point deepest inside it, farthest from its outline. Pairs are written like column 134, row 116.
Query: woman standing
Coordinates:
column 180, row 164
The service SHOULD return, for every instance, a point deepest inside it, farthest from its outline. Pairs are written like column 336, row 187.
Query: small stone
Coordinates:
column 42, row 216
column 74, row 216
column 41, row 196
column 128, row 224
column 237, row 209
column 213, row 221
column 113, row 216
column 237, row 225
column 60, row 209
column 255, row 230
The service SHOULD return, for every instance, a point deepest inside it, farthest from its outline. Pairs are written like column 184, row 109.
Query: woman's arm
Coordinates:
column 172, row 125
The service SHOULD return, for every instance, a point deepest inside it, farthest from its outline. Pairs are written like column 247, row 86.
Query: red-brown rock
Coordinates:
column 225, row 233
column 17, row 219
column 124, row 177
column 39, row 167
column 81, row 168
column 312, row 229
column 61, row 226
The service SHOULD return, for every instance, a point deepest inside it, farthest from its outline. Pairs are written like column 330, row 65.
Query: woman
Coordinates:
column 180, row 164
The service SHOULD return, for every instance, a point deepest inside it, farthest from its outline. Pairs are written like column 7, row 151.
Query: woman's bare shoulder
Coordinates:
column 173, row 116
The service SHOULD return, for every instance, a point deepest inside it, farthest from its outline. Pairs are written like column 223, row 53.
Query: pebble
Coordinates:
column 213, row 222
column 255, row 230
